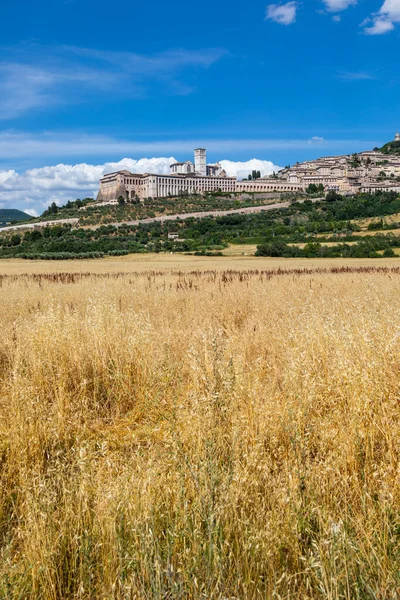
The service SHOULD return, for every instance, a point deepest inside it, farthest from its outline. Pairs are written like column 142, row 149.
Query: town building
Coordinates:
column 348, row 174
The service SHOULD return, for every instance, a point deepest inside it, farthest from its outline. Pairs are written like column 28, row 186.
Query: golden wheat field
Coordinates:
column 200, row 434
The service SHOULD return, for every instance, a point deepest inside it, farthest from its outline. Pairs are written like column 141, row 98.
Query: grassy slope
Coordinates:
column 391, row 148
column 94, row 215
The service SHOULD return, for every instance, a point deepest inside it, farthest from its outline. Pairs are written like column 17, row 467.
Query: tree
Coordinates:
column 311, row 189
column 32, row 236
column 332, row 196
column 355, row 161
column 276, row 248
column 121, row 201
column 15, row 240
column 389, row 252
column 312, row 249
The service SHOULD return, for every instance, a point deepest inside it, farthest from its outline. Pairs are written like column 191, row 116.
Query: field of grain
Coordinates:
column 200, row 433
column 134, row 263
column 240, row 250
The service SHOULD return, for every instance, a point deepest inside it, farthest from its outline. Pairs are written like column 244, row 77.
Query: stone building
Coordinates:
column 185, row 178
column 131, row 186
column 182, row 168
column 268, row 184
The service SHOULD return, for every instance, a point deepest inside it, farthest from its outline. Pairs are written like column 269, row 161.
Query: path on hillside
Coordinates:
column 72, row 221
column 200, row 215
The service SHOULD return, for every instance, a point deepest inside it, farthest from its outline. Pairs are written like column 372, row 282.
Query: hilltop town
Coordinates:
column 369, row 171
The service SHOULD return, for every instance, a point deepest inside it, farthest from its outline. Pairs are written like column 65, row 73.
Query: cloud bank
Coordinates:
column 33, row 190
column 242, row 169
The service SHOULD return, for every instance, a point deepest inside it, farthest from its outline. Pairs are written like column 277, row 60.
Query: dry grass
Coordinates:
column 200, row 435
column 240, row 250
column 395, row 218
column 134, row 263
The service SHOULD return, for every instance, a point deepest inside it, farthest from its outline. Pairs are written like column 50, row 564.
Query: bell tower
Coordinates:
column 397, row 137
column 200, row 161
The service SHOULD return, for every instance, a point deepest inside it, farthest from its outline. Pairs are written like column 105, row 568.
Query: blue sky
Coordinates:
column 84, row 81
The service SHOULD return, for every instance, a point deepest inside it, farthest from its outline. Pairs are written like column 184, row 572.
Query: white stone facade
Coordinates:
column 182, row 168
column 268, row 184
column 136, row 186
column 370, row 188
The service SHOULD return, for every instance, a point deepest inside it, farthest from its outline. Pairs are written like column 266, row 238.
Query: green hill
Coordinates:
column 391, row 148
column 9, row 215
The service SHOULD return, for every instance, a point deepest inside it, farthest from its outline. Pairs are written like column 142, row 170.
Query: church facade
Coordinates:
column 185, row 178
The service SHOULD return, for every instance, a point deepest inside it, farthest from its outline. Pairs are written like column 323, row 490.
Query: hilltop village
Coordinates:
column 367, row 172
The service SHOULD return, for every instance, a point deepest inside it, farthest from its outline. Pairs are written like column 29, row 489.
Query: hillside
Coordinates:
column 90, row 213
column 391, row 148
column 8, row 215
column 362, row 226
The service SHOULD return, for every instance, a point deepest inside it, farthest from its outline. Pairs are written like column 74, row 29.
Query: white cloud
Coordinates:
column 32, row 212
column 384, row 20
column 316, row 139
column 23, row 88
column 34, row 189
column 336, row 18
column 392, row 9
column 338, row 5
column 242, row 169
column 37, row 78
column 284, row 14
column 355, row 76
column 379, row 26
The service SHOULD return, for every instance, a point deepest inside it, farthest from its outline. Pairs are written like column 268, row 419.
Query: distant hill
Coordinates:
column 391, row 148
column 8, row 215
